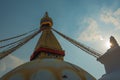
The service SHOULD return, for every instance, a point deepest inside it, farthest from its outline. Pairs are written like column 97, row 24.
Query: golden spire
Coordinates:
column 47, row 46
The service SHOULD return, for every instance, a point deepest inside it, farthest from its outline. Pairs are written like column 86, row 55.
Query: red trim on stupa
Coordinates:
column 46, row 50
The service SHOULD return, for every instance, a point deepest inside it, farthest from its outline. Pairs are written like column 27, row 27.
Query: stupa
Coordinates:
column 47, row 61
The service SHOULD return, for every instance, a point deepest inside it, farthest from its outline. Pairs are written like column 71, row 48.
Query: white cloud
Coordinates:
column 117, row 12
column 8, row 63
column 111, row 17
column 95, row 33
column 91, row 33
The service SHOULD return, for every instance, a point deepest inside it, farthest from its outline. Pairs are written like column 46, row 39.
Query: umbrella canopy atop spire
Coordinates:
column 46, row 21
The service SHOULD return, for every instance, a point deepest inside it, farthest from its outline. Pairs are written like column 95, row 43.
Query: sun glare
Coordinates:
column 107, row 44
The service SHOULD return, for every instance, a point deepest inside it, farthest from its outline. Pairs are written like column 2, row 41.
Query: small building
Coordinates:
column 111, row 61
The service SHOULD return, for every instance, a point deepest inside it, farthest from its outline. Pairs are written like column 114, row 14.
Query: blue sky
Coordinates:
column 91, row 22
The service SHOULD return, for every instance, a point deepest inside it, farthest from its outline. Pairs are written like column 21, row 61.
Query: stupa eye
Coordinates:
column 64, row 76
